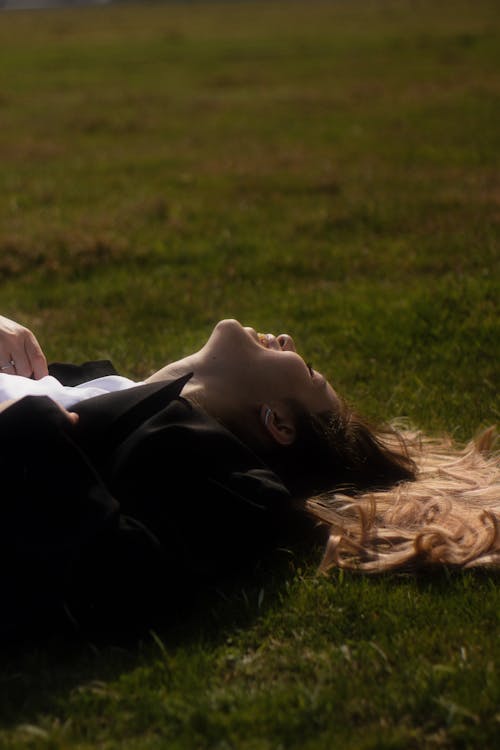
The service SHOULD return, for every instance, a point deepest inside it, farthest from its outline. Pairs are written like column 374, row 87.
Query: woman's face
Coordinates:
column 263, row 368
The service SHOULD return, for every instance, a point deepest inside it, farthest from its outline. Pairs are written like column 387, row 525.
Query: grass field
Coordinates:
column 330, row 169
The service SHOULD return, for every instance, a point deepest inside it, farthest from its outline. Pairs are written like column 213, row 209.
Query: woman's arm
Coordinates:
column 20, row 352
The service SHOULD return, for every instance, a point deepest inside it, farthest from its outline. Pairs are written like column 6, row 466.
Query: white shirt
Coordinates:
column 15, row 386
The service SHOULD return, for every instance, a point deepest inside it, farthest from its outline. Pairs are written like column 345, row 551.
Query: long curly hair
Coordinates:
column 448, row 513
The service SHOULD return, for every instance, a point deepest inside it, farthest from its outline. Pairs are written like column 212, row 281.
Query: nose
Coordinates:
column 286, row 342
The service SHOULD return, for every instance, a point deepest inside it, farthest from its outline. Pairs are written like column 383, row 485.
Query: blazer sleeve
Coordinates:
column 214, row 506
column 67, row 552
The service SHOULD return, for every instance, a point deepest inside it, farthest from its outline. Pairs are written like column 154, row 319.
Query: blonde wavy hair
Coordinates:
column 449, row 515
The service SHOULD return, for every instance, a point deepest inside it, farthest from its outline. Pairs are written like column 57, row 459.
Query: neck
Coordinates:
column 191, row 363
column 205, row 388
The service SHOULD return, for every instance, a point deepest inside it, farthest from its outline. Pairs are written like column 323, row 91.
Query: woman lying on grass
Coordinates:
column 159, row 489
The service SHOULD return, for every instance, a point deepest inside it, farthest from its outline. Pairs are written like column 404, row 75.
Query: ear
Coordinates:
column 278, row 423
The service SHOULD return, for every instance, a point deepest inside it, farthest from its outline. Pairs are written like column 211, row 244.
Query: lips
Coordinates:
column 269, row 341
column 281, row 343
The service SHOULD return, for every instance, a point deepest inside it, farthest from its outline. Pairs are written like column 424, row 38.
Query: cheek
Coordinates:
column 293, row 370
column 276, row 374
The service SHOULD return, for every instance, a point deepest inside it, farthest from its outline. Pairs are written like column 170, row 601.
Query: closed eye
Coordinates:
column 310, row 368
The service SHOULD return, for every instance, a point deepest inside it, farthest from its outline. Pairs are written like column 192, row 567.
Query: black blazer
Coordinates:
column 142, row 503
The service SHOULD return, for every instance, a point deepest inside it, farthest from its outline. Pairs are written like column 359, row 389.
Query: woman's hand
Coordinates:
column 20, row 352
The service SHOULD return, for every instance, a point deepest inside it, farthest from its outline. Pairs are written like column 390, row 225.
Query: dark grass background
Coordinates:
column 330, row 169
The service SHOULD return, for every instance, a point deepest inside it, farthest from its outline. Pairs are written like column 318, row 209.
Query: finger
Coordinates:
column 36, row 357
column 22, row 365
column 7, row 366
column 71, row 416
column 5, row 358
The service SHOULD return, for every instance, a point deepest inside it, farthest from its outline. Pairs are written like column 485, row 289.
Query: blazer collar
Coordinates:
column 107, row 420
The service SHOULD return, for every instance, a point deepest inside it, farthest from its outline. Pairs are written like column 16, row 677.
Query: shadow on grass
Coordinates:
column 38, row 674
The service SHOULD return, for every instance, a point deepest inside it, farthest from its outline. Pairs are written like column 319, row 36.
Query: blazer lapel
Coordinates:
column 107, row 420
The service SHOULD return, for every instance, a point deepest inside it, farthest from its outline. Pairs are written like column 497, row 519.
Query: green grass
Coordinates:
column 330, row 169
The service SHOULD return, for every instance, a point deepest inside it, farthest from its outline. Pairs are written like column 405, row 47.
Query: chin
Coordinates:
column 230, row 333
column 228, row 323
column 224, row 330
column 227, row 327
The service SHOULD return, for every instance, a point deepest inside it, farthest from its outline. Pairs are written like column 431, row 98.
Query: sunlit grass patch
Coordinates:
column 324, row 168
